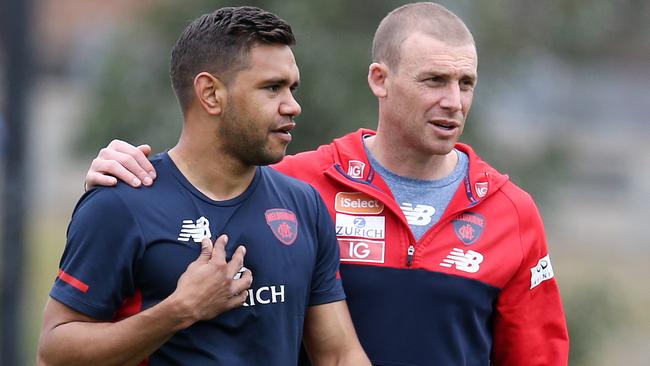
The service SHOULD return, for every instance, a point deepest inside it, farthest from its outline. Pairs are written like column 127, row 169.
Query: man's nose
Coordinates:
column 290, row 107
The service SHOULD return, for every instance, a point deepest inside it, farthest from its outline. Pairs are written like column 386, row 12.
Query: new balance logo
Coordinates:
column 419, row 215
column 195, row 230
column 464, row 261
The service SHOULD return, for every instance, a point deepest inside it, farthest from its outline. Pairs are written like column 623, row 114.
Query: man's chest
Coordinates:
column 279, row 241
column 480, row 242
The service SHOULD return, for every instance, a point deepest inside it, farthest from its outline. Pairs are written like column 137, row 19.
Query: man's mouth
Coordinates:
column 285, row 129
column 283, row 132
column 447, row 125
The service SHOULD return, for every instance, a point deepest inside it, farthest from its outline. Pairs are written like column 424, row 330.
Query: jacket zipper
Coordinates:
column 410, row 252
column 409, row 255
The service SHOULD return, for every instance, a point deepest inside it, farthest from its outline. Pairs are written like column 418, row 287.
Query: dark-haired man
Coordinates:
column 130, row 286
column 443, row 259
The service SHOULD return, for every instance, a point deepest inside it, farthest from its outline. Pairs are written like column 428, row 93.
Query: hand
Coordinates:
column 123, row 161
column 208, row 288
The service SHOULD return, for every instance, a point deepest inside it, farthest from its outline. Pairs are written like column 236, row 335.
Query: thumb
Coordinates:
column 146, row 149
column 206, row 250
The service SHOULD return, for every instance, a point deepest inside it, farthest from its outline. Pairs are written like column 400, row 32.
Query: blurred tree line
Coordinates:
column 131, row 96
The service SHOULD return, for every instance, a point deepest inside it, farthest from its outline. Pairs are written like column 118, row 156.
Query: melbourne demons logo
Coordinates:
column 469, row 227
column 283, row 224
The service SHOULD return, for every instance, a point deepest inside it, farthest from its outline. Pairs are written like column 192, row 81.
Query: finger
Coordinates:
column 239, row 273
column 145, row 148
column 139, row 154
column 145, row 163
column 94, row 179
column 219, row 250
column 114, row 169
column 132, row 159
column 236, row 262
column 237, row 300
column 243, row 283
column 206, row 250
column 121, row 146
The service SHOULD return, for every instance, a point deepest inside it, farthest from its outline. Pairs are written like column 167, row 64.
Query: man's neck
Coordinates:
column 409, row 163
column 217, row 175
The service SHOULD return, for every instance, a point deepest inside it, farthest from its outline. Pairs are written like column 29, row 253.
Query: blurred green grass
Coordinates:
column 44, row 248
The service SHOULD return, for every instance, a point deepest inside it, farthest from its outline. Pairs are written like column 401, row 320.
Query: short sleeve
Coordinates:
column 96, row 272
column 326, row 284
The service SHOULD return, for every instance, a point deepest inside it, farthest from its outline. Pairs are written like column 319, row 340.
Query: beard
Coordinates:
column 247, row 142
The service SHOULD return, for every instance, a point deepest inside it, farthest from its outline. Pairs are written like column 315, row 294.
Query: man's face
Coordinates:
column 259, row 111
column 429, row 96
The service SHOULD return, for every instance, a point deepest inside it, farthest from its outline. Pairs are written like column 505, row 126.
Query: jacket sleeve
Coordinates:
column 529, row 324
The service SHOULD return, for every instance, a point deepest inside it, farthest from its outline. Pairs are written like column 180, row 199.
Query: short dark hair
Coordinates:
column 426, row 17
column 219, row 43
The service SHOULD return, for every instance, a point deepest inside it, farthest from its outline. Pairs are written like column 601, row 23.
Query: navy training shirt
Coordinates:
column 126, row 249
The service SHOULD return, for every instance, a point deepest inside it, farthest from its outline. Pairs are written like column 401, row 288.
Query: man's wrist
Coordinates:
column 172, row 310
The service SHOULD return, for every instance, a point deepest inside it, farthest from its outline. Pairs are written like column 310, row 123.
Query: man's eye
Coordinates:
column 273, row 88
column 467, row 84
column 435, row 80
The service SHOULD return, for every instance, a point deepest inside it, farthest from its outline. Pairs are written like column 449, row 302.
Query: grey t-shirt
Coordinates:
column 423, row 201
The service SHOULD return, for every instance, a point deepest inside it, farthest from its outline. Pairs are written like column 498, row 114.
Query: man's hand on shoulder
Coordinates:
column 121, row 161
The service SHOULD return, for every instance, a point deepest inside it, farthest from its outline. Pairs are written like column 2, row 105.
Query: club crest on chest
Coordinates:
column 468, row 227
column 283, row 224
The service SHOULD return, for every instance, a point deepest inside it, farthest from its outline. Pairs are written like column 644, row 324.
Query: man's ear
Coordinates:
column 210, row 92
column 377, row 74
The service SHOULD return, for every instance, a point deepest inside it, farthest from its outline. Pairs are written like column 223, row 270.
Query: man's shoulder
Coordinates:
column 103, row 201
column 307, row 162
column 518, row 196
column 284, row 181
column 487, row 180
column 122, row 196
column 311, row 164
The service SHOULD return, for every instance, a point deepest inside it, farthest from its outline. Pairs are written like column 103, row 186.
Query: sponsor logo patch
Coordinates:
column 357, row 203
column 481, row 188
column 371, row 251
column 541, row 272
column 356, row 168
column 371, row 227
column 463, row 261
column 195, row 230
column 469, row 227
column 265, row 295
column 283, row 224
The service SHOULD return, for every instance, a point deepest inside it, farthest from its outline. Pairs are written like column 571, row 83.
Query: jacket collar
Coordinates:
column 351, row 163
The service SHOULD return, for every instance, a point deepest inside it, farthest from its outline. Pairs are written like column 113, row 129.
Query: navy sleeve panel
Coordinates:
column 326, row 283
column 102, row 247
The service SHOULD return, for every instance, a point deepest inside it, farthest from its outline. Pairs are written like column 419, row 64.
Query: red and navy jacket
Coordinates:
column 476, row 289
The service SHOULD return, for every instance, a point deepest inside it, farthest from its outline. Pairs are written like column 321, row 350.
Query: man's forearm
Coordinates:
column 353, row 357
column 330, row 338
column 126, row 342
